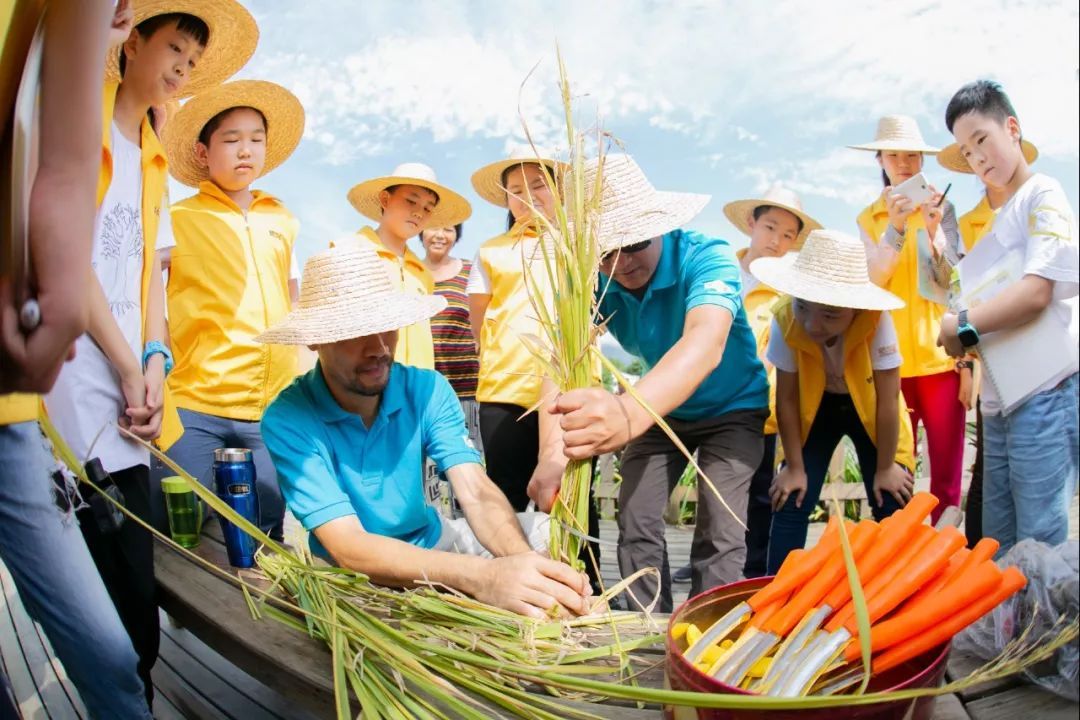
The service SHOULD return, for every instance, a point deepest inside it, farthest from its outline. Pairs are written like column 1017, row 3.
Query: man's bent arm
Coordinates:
column 487, row 510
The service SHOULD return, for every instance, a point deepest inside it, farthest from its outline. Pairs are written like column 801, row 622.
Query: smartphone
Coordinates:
column 916, row 189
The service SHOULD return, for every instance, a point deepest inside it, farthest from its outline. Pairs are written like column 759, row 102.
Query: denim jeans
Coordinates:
column 58, row 583
column 1030, row 467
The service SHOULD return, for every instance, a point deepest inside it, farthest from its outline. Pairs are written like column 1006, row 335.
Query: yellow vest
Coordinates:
column 858, row 374
column 415, row 345
column 509, row 373
column 918, row 323
column 17, row 22
column 228, row 282
column 154, row 186
column 759, row 304
column 976, row 223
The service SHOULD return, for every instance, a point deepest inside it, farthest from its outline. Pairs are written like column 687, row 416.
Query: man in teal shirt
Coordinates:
column 349, row 438
column 672, row 298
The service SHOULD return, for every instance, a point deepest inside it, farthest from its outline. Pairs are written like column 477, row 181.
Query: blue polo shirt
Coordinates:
column 693, row 270
column 329, row 465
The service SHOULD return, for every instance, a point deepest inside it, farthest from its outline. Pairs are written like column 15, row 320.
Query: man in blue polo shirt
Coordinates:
column 670, row 297
column 349, row 438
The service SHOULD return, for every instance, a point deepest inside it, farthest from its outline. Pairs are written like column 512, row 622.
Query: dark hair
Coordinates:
column 510, row 220
column 187, row 24
column 393, row 188
column 985, row 97
column 762, row 209
column 215, row 122
column 884, row 175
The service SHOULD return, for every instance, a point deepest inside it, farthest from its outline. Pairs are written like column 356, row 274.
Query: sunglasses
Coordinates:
column 628, row 250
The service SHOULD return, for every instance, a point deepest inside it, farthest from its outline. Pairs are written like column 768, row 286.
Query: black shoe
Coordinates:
column 682, row 575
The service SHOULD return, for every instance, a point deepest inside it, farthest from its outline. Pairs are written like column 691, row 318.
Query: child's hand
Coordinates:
column 932, row 214
column 122, row 23
column 896, row 481
column 146, row 421
column 787, row 482
column 133, row 386
column 900, row 208
column 966, row 396
column 948, row 337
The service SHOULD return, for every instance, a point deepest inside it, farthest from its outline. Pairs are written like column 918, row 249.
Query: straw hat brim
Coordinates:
column 487, row 181
column 669, row 210
column 897, row 146
column 950, row 157
column 451, row 209
column 284, row 124
column 782, row 275
column 233, row 37
column 337, row 321
column 739, row 212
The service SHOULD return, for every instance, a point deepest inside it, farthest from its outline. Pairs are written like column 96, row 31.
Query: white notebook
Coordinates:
column 1019, row 361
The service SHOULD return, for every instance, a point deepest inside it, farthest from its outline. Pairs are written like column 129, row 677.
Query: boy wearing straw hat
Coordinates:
column 1032, row 455
column 227, row 234
column 776, row 223
column 837, row 362
column 404, row 203
column 974, row 225
column 54, row 574
column 120, row 364
column 350, row 437
column 672, row 298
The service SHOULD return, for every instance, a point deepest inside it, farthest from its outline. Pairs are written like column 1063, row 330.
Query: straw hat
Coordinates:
column 631, row 209
column 233, row 37
column 897, row 132
column 347, row 293
column 451, row 210
column 284, row 124
column 950, row 157
column 739, row 212
column 487, row 181
column 830, row 269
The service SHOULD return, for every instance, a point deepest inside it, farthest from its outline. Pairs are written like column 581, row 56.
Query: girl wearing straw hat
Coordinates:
column 220, row 142
column 889, row 226
column 974, row 225
column 775, row 223
column 121, row 364
column 403, row 204
column 501, row 314
column 350, row 437
column 671, row 297
column 834, row 347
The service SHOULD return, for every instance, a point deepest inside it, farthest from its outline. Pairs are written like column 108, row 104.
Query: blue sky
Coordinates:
column 714, row 97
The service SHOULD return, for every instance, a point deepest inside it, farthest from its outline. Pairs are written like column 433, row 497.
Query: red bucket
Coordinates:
column 927, row 670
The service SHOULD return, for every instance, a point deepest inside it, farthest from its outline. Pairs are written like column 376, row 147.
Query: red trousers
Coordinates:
column 932, row 400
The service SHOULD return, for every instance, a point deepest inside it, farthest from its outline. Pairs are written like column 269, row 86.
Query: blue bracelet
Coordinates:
column 155, row 347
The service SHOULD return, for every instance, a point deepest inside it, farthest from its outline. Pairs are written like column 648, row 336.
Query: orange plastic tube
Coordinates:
column 810, row 563
column 983, row 550
column 959, row 564
column 918, row 508
column 811, row 594
column 891, row 538
column 915, row 618
column 1011, row 581
column 912, row 577
column 920, row 537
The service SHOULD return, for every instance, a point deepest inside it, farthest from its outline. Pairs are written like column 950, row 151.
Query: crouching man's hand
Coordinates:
column 533, row 585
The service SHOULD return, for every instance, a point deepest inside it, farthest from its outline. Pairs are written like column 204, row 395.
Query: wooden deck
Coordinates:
column 192, row 680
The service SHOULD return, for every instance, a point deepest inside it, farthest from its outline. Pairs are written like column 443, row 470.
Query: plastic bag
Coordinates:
column 1052, row 591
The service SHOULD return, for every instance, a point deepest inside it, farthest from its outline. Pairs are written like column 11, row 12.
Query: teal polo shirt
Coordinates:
column 693, row 270
column 329, row 465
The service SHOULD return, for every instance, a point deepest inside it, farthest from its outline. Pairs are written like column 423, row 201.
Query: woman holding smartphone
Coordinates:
column 889, row 227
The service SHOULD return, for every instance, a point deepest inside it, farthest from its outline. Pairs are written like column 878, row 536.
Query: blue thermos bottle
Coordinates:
column 234, row 482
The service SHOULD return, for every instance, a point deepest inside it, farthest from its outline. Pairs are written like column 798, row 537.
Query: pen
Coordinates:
column 947, row 188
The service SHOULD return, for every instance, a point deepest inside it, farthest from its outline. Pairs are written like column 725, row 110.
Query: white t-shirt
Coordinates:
column 479, row 282
column 1039, row 219
column 87, row 399
column 884, row 354
column 749, row 281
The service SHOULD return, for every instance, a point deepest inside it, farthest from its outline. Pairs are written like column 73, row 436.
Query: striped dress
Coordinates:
column 455, row 348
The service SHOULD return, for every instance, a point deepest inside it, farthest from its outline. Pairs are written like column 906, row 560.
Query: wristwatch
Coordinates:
column 155, row 347
column 965, row 331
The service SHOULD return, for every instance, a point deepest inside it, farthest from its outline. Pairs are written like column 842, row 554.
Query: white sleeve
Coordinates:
column 165, row 239
column 1052, row 240
column 779, row 353
column 884, row 349
column 294, row 268
column 479, row 281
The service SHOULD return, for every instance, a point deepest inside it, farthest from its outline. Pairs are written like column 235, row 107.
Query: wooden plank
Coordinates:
column 949, row 707
column 961, row 665
column 181, row 695
column 26, row 662
column 164, row 709
column 1027, row 701
column 61, row 674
